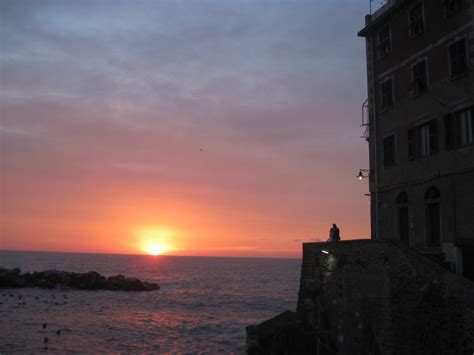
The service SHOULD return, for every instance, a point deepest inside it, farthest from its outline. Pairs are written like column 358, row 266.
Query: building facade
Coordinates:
column 420, row 69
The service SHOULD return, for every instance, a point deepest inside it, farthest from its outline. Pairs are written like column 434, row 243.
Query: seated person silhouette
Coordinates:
column 334, row 234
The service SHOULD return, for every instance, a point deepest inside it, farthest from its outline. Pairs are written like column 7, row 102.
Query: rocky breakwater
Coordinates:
column 14, row 278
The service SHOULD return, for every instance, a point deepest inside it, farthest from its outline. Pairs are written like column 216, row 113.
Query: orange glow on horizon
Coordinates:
column 155, row 240
column 130, row 222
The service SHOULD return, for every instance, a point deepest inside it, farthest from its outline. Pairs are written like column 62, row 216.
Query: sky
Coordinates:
column 182, row 127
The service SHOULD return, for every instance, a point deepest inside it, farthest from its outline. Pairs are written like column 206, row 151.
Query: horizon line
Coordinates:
column 148, row 255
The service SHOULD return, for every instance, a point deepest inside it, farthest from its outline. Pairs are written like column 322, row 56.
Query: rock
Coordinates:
column 281, row 332
column 12, row 278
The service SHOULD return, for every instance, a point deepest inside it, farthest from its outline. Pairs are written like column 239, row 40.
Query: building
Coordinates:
column 420, row 118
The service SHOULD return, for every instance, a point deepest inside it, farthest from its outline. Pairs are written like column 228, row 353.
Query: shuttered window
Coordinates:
column 452, row 7
column 386, row 94
column 458, row 57
column 411, row 143
column 459, row 128
column 416, row 22
column 420, row 77
column 433, row 137
column 389, row 151
column 384, row 43
column 423, row 140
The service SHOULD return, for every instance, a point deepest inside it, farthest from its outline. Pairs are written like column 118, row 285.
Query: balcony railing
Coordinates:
column 365, row 119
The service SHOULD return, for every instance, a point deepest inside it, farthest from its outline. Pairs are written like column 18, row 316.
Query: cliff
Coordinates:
column 369, row 297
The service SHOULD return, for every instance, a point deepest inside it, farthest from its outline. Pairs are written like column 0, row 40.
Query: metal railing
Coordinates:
column 365, row 120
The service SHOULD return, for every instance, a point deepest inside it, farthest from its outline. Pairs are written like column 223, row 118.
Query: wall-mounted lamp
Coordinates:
column 361, row 174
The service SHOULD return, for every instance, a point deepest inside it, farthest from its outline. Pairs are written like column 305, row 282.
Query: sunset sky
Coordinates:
column 195, row 127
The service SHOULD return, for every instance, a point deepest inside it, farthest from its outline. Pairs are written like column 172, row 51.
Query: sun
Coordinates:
column 155, row 240
column 156, row 249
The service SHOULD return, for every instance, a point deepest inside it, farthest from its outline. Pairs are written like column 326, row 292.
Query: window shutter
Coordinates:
column 461, row 53
column 457, row 129
column 382, row 95
column 411, row 144
column 458, row 57
column 433, row 133
column 417, row 70
column 390, row 92
column 472, row 121
column 416, row 85
column 450, row 7
column 449, row 131
column 420, row 83
column 386, row 94
column 454, row 62
column 389, row 151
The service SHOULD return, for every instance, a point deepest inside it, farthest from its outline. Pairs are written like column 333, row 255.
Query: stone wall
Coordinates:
column 372, row 297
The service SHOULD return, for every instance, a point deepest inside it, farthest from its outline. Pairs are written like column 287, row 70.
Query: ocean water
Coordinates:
column 203, row 306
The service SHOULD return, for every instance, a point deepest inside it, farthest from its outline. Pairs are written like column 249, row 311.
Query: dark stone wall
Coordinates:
column 372, row 297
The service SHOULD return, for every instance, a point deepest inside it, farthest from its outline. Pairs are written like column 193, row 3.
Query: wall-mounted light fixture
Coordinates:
column 363, row 173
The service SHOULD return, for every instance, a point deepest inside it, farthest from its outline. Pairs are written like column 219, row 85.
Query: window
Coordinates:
column 416, row 23
column 451, row 7
column 384, row 44
column 433, row 220
column 459, row 128
column 403, row 222
column 402, row 198
column 386, row 94
column 423, row 140
column 389, row 151
column 458, row 57
column 420, row 77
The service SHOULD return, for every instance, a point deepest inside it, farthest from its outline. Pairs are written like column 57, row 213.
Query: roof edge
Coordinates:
column 378, row 16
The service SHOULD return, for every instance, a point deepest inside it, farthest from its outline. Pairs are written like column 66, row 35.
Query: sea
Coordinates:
column 203, row 305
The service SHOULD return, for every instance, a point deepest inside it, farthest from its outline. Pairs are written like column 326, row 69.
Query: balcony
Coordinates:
column 365, row 120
